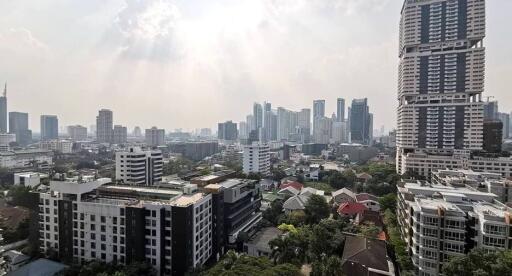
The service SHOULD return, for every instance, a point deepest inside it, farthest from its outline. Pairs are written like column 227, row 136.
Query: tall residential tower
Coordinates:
column 441, row 79
column 3, row 111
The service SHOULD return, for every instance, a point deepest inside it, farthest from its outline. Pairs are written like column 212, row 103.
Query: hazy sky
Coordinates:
column 192, row 63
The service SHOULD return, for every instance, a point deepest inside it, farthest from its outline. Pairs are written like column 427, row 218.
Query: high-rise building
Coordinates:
column 491, row 110
column 361, row 124
column 104, row 126
column 340, row 110
column 493, row 136
column 339, row 132
column 18, row 124
column 318, row 108
column 505, row 119
column 304, row 124
column 120, row 134
column 155, row 137
column 441, row 79
column 258, row 118
column 283, row 124
column 49, row 127
column 243, row 130
column 139, row 167
column 227, row 131
column 77, row 132
column 267, row 122
column 256, row 159
column 3, row 111
column 137, row 132
column 322, row 131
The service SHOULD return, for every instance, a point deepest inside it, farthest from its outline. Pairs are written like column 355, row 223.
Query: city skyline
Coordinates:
column 41, row 66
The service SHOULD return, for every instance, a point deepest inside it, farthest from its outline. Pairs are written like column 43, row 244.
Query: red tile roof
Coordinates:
column 351, row 208
column 298, row 186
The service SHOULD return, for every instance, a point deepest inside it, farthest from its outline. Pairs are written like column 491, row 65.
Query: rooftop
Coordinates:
column 187, row 200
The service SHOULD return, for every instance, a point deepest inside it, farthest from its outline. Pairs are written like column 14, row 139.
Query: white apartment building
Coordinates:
column 86, row 219
column 256, row 159
column 423, row 163
column 441, row 80
column 138, row 166
column 482, row 181
column 439, row 222
column 62, row 146
column 27, row 179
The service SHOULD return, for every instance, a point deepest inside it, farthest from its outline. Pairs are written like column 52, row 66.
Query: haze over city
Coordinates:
column 191, row 64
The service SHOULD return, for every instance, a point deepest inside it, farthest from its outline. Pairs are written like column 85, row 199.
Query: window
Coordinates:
column 103, row 219
column 495, row 229
column 454, row 236
column 457, row 248
column 93, row 217
column 453, row 224
column 495, row 242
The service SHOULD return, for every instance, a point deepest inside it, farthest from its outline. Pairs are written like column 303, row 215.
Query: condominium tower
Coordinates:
column 49, row 127
column 441, row 80
column 104, row 126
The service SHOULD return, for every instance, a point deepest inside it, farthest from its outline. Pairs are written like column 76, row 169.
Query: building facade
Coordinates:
column 155, row 137
column 256, row 159
column 3, row 111
column 49, row 127
column 77, row 133
column 361, row 122
column 86, row 219
column 18, row 124
column 120, row 134
column 227, row 131
column 104, row 126
column 139, row 167
column 440, row 222
column 441, row 78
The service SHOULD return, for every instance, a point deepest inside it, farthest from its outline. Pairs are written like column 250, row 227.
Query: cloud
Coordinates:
column 148, row 29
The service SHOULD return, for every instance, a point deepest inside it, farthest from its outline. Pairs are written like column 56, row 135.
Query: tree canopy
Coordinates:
column 234, row 264
column 316, row 209
column 477, row 262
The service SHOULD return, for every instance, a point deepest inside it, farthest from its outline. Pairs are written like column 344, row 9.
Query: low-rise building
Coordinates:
column 258, row 245
column 30, row 158
column 62, row 146
column 363, row 256
column 27, row 179
column 87, row 219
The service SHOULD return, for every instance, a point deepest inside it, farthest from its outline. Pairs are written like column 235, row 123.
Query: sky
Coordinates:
column 193, row 63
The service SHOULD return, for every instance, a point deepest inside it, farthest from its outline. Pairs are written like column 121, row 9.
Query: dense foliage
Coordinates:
column 317, row 209
column 399, row 246
column 103, row 269
column 310, row 243
column 233, row 264
column 477, row 262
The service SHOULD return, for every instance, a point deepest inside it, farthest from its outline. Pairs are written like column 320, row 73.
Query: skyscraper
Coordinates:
column 319, row 108
column 49, row 127
column 304, row 124
column 360, row 122
column 104, row 126
column 3, row 111
column 227, row 131
column 340, row 110
column 120, row 134
column 77, row 133
column 267, row 122
column 258, row 117
column 18, row 124
column 441, row 79
column 491, row 110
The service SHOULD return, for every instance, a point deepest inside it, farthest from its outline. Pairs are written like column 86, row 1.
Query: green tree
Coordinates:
column 328, row 266
column 369, row 230
column 278, row 174
column 388, row 202
column 296, row 218
column 233, row 264
column 274, row 213
column 480, row 263
column 316, row 209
